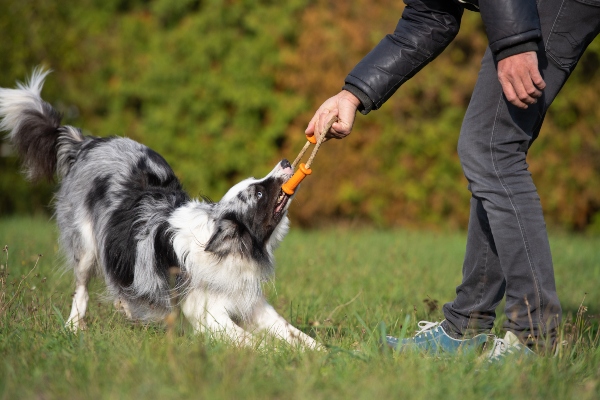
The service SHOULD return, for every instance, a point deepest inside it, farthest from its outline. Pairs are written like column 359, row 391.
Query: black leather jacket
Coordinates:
column 424, row 31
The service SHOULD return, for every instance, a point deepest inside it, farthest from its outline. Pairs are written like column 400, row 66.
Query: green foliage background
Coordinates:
column 224, row 89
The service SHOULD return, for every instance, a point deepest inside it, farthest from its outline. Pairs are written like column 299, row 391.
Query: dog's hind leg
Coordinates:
column 82, row 253
column 81, row 296
column 122, row 306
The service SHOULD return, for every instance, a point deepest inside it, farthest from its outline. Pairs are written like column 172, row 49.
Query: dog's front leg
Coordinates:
column 266, row 318
column 208, row 314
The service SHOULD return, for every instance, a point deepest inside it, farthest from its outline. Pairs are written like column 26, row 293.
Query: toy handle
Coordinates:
column 312, row 138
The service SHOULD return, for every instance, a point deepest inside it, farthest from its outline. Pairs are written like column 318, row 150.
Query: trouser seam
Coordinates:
column 553, row 24
column 516, row 211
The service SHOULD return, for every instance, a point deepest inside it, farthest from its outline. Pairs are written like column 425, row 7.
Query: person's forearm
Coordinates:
column 512, row 26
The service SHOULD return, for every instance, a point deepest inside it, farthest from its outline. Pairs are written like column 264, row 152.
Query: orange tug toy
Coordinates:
column 290, row 186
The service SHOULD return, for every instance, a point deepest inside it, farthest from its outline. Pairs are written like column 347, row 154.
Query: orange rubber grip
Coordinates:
column 290, row 186
column 312, row 138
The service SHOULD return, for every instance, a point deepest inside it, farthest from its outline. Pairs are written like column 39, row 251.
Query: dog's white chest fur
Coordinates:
column 235, row 281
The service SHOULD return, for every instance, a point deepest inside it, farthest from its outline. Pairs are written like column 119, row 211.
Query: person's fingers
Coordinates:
column 347, row 106
column 313, row 125
column 340, row 128
column 310, row 129
column 343, row 126
column 530, row 86
column 524, row 89
column 520, row 78
column 510, row 93
column 536, row 78
column 341, row 106
column 324, row 118
column 517, row 85
column 533, row 92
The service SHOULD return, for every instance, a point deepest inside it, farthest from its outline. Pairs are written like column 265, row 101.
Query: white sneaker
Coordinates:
column 507, row 346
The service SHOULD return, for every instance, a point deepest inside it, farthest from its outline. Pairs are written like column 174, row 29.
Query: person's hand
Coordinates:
column 520, row 78
column 343, row 105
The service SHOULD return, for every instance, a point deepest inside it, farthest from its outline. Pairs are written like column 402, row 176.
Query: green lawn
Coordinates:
column 345, row 286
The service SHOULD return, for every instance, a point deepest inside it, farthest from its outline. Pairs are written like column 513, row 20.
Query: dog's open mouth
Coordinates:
column 282, row 201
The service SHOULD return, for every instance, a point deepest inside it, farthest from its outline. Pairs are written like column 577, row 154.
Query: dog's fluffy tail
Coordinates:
column 45, row 147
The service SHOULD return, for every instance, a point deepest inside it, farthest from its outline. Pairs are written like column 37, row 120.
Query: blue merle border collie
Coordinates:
column 122, row 214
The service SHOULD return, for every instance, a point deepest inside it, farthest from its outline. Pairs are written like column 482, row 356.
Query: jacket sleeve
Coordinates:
column 512, row 26
column 423, row 32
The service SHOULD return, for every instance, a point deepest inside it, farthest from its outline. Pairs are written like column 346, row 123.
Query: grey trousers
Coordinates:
column 507, row 252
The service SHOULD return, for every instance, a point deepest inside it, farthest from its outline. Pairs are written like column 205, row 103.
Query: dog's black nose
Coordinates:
column 285, row 164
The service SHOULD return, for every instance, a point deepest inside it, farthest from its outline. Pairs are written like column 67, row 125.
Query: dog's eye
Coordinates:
column 259, row 195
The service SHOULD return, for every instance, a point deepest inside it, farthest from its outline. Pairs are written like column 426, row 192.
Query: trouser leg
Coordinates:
column 493, row 145
column 483, row 283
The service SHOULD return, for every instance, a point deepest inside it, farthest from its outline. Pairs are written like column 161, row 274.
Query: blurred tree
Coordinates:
column 224, row 89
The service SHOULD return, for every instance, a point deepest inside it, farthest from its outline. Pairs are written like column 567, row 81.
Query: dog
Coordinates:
column 123, row 214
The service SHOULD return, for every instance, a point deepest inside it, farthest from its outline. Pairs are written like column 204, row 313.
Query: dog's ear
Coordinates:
column 229, row 236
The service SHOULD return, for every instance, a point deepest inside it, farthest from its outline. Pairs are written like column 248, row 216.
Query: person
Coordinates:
column 533, row 48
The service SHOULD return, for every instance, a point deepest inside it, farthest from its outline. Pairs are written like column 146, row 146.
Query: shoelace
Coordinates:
column 499, row 347
column 426, row 326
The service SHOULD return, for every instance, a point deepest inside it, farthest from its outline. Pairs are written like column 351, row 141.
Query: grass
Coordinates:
column 343, row 286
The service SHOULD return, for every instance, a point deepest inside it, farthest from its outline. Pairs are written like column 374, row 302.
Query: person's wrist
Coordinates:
column 351, row 98
column 365, row 104
column 517, row 49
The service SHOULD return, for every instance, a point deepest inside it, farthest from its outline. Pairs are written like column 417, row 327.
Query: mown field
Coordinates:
column 346, row 286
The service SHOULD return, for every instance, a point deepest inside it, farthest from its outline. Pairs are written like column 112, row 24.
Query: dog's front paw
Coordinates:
column 319, row 347
column 76, row 324
column 308, row 343
column 315, row 346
